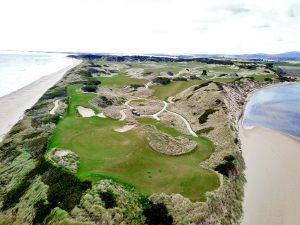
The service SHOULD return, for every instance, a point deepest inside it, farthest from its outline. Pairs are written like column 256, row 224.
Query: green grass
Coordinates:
column 118, row 81
column 224, row 69
column 174, row 88
column 127, row 158
column 261, row 78
column 79, row 99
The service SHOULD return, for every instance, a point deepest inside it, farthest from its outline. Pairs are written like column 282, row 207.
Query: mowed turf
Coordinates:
column 127, row 158
column 174, row 88
column 120, row 80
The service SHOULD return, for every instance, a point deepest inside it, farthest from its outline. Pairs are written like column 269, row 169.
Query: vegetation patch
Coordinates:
column 89, row 88
column 109, row 199
column 205, row 130
column 120, row 80
column 161, row 80
column 228, row 167
column 204, row 117
column 157, row 214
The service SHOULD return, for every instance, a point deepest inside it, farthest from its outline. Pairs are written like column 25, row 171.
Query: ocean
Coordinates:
column 277, row 108
column 18, row 69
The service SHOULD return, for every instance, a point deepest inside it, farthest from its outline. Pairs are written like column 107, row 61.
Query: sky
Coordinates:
column 151, row 26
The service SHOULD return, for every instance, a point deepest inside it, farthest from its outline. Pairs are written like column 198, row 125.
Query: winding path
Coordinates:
column 186, row 123
column 52, row 112
column 156, row 115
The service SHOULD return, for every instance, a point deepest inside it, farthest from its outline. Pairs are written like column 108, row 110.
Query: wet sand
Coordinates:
column 13, row 105
column 272, row 191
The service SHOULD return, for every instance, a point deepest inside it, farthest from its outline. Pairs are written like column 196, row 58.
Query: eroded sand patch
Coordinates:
column 125, row 128
column 85, row 112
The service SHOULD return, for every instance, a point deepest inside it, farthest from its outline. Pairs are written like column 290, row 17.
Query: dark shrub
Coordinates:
column 42, row 211
column 65, row 189
column 202, row 85
column 205, row 130
column 56, row 93
column 204, row 72
column 89, row 88
column 204, row 117
column 179, row 79
column 170, row 73
column 136, row 86
column 194, row 77
column 229, row 158
column 236, row 141
column 248, row 66
column 38, row 106
column 92, row 70
column 218, row 101
column 91, row 81
column 157, row 214
column 103, row 101
column 36, row 145
column 14, row 195
column 161, row 80
column 268, row 79
column 270, row 65
column 109, row 199
column 37, row 121
column 85, row 73
column 226, row 168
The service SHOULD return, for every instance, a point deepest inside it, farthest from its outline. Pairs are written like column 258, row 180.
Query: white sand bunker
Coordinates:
column 125, row 128
column 101, row 115
column 53, row 110
column 85, row 112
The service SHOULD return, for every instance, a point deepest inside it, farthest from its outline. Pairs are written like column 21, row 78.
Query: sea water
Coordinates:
column 18, row 69
column 277, row 108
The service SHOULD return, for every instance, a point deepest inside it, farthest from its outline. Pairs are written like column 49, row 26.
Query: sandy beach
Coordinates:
column 13, row 105
column 272, row 191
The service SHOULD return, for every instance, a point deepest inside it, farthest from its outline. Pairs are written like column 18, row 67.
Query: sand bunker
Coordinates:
column 125, row 128
column 101, row 115
column 85, row 112
column 52, row 112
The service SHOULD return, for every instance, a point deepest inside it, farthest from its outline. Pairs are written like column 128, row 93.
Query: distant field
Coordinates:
column 119, row 81
column 172, row 89
column 127, row 158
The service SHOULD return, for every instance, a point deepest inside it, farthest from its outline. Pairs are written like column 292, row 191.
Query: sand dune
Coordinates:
column 272, row 191
column 13, row 105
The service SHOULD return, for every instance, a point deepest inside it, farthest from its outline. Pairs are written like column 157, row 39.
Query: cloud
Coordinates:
column 265, row 25
column 237, row 8
column 294, row 11
column 169, row 26
column 291, row 13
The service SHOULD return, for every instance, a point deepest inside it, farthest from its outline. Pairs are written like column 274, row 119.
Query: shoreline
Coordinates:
column 271, row 157
column 14, row 104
